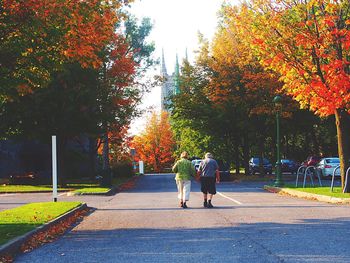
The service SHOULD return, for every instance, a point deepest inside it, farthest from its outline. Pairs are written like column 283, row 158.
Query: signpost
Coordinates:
column 141, row 170
column 54, row 168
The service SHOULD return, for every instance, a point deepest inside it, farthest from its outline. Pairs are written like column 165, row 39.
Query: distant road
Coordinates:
column 247, row 225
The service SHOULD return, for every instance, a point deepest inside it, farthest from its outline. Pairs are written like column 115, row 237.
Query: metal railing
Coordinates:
column 299, row 172
column 307, row 172
column 332, row 184
column 346, row 180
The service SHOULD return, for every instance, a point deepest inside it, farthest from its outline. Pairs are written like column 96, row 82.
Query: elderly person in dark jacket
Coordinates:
column 184, row 171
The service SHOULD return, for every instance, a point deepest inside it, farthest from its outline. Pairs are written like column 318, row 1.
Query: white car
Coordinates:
column 196, row 163
column 326, row 166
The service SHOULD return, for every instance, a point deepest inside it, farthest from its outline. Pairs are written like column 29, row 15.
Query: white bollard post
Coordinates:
column 54, row 169
column 141, row 167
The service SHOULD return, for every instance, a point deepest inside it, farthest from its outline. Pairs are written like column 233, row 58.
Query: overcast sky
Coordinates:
column 175, row 27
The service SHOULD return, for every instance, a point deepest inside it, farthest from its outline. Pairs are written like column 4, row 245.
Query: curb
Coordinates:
column 13, row 247
column 309, row 196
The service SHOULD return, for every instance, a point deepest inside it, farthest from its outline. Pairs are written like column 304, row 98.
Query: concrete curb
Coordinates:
column 13, row 247
column 309, row 196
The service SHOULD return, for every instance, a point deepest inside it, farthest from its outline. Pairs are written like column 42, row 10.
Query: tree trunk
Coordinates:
column 246, row 153
column 105, row 152
column 107, row 174
column 342, row 121
column 92, row 157
column 314, row 139
column 261, row 154
column 286, row 154
column 237, row 162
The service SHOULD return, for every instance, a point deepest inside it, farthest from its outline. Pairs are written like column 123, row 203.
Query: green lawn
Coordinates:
column 96, row 189
column 337, row 191
column 92, row 190
column 27, row 188
column 81, row 188
column 18, row 221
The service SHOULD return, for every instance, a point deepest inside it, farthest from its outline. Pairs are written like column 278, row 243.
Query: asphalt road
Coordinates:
column 247, row 225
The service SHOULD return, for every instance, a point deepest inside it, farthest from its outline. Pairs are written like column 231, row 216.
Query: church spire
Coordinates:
column 163, row 69
column 177, row 76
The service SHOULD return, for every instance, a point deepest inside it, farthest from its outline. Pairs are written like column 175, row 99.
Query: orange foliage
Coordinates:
column 308, row 44
column 156, row 144
column 239, row 78
column 122, row 68
column 68, row 30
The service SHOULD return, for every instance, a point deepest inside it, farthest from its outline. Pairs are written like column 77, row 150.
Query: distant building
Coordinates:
column 170, row 85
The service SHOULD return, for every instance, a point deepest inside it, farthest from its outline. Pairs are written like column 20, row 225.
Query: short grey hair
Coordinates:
column 208, row 155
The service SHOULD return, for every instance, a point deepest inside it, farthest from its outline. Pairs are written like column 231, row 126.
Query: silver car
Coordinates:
column 326, row 166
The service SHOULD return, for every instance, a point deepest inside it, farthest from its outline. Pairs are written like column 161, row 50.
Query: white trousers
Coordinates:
column 183, row 189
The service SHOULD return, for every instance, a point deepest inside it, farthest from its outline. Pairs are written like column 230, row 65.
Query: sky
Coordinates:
column 176, row 24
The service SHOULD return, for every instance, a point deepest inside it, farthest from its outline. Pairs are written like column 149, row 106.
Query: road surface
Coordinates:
column 247, row 224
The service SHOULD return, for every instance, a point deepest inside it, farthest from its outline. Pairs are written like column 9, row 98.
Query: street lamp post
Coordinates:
column 278, row 107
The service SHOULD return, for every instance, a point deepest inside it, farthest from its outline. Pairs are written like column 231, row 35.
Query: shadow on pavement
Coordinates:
column 310, row 240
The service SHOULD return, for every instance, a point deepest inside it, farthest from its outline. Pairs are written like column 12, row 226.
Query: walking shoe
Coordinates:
column 205, row 204
column 210, row 205
column 181, row 204
column 184, row 205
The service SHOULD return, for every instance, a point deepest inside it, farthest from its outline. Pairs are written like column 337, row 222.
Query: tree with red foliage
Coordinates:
column 127, row 56
column 39, row 36
column 156, row 144
column 308, row 44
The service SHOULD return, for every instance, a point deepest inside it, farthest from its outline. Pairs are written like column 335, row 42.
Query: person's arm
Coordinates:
column 198, row 173
column 193, row 171
column 174, row 169
column 217, row 175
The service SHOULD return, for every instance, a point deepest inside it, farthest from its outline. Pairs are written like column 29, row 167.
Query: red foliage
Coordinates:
column 156, row 144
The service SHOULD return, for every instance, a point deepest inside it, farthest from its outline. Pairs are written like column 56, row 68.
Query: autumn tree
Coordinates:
column 39, row 37
column 127, row 57
column 308, row 44
column 156, row 144
column 225, row 105
column 84, row 101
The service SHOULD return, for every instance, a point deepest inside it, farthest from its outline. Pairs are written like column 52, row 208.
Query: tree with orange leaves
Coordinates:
column 156, row 144
column 308, row 44
column 39, row 36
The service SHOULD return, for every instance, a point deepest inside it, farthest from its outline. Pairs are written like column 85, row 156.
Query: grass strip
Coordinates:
column 27, row 188
column 95, row 189
column 20, row 220
column 92, row 190
column 337, row 191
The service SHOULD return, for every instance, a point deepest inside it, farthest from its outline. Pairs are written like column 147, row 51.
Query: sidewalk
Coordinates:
column 310, row 196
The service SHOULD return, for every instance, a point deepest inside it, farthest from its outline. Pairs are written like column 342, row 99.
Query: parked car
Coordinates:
column 224, row 170
column 326, row 166
column 311, row 161
column 254, row 165
column 196, row 163
column 289, row 166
